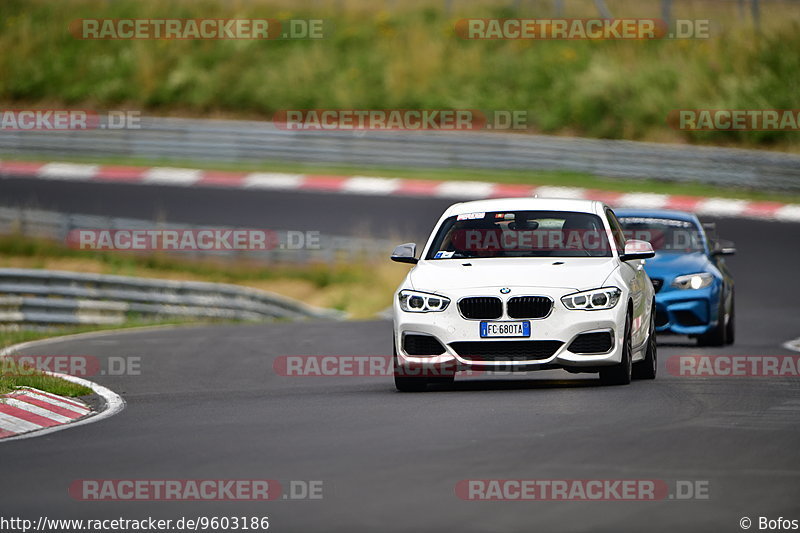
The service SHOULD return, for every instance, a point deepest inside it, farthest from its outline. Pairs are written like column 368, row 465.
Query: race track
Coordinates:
column 208, row 404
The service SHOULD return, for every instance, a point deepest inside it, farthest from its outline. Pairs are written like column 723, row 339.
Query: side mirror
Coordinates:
column 637, row 250
column 405, row 253
column 723, row 248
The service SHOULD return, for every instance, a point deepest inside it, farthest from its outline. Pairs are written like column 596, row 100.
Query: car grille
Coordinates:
column 597, row 342
column 687, row 318
column 485, row 307
column 662, row 318
column 657, row 283
column 422, row 345
column 506, row 350
column 529, row 306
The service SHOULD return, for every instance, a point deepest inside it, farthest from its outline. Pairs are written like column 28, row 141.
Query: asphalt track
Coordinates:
column 208, row 405
column 331, row 213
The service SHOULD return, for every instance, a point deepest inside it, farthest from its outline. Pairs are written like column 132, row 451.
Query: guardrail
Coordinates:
column 52, row 297
column 57, row 226
column 226, row 140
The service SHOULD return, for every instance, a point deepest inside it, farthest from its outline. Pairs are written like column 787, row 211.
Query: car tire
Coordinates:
column 620, row 374
column 443, row 380
column 718, row 335
column 407, row 383
column 730, row 330
column 647, row 368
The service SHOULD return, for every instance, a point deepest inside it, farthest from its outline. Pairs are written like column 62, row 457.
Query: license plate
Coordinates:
column 505, row 329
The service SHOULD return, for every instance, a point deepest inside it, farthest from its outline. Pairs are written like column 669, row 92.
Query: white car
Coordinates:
column 524, row 284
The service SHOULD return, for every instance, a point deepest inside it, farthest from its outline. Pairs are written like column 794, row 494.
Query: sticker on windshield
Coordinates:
column 443, row 255
column 471, row 216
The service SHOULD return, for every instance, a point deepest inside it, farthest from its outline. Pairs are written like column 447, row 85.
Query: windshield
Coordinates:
column 520, row 234
column 666, row 235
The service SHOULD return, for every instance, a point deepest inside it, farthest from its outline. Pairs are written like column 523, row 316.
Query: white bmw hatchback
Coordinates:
column 524, row 284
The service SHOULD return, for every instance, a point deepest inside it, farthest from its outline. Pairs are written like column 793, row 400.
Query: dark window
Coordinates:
column 520, row 234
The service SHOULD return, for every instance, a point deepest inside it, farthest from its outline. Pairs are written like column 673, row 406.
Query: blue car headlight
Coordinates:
column 700, row 280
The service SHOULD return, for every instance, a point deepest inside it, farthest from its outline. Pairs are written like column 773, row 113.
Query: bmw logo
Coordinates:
column 505, row 290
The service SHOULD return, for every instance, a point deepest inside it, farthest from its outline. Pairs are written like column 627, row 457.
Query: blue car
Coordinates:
column 694, row 289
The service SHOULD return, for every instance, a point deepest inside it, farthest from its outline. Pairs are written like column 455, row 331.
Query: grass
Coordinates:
column 360, row 289
column 14, row 375
column 20, row 376
column 410, row 58
column 528, row 177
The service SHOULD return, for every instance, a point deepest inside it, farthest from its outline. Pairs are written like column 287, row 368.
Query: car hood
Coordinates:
column 669, row 265
column 572, row 273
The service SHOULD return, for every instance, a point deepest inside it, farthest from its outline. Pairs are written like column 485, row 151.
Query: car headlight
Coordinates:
column 422, row 302
column 592, row 300
column 693, row 281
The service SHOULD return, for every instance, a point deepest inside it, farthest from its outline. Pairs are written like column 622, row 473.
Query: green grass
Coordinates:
column 320, row 275
column 528, row 177
column 14, row 375
column 410, row 58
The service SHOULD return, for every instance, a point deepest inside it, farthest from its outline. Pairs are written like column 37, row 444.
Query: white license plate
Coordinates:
column 505, row 329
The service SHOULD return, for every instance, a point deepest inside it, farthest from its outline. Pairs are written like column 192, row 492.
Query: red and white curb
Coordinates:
column 377, row 186
column 27, row 412
column 27, row 409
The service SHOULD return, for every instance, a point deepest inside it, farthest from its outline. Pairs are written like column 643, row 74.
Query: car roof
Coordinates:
column 526, row 204
column 669, row 214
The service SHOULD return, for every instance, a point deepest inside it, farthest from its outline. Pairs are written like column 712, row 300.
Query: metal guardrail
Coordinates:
column 57, row 226
column 50, row 297
column 225, row 140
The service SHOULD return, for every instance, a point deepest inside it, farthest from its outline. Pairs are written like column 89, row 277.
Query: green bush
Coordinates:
column 406, row 59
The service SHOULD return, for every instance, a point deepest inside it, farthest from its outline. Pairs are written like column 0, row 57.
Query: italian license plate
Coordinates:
column 505, row 329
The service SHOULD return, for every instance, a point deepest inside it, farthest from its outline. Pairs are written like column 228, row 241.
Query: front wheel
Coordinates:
column 730, row 329
column 647, row 368
column 620, row 374
column 405, row 383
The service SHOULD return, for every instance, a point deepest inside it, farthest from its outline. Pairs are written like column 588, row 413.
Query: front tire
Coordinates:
column 407, row 383
column 620, row 374
column 730, row 330
column 648, row 368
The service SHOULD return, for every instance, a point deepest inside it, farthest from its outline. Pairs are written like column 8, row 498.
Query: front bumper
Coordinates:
column 562, row 325
column 687, row 312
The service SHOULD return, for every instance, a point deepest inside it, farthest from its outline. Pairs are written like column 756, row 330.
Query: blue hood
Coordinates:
column 669, row 265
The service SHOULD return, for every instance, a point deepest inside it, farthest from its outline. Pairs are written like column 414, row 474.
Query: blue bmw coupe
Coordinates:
column 694, row 289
